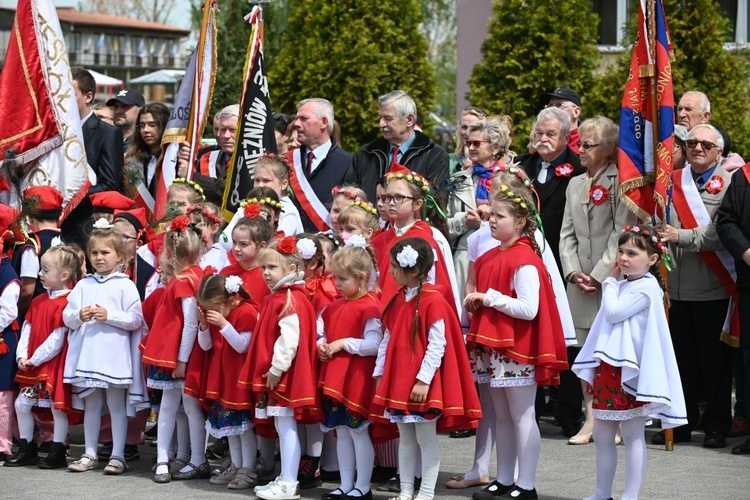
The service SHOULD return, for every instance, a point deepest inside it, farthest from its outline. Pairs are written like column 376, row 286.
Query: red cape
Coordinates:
column 252, row 281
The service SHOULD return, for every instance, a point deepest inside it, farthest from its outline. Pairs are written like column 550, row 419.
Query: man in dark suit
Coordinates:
column 551, row 166
column 104, row 153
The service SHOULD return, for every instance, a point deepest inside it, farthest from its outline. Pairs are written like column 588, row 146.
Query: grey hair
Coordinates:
column 402, row 103
column 229, row 111
column 602, row 127
column 719, row 138
column 705, row 104
column 497, row 134
column 548, row 114
column 323, row 108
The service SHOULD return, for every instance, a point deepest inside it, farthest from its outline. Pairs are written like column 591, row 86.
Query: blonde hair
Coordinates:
column 111, row 237
column 355, row 261
column 195, row 196
column 520, row 204
column 358, row 216
column 270, row 254
column 185, row 247
column 68, row 261
column 278, row 167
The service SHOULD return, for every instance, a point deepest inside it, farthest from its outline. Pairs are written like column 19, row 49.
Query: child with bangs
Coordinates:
column 206, row 217
column 273, row 171
column 359, row 218
column 341, row 198
column 264, row 203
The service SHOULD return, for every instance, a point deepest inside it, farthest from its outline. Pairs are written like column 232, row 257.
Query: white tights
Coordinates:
column 26, row 423
column 516, row 429
column 485, row 439
column 170, row 404
column 243, row 449
column 356, row 454
column 606, row 456
column 413, row 438
column 291, row 452
column 92, row 419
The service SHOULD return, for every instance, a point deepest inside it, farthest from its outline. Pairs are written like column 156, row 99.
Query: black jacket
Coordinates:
column 733, row 223
column 371, row 162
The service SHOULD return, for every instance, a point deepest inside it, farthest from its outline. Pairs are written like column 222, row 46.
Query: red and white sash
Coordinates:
column 303, row 191
column 692, row 212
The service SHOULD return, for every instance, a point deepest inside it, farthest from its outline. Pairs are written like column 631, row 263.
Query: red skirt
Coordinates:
column 608, row 392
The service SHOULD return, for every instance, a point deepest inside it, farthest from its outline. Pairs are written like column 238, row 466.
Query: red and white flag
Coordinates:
column 40, row 127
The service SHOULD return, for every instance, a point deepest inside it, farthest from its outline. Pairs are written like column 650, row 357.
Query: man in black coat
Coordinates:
column 319, row 163
column 104, row 154
column 401, row 143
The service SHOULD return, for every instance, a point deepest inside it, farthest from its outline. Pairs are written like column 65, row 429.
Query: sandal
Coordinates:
column 162, row 478
column 244, row 479
column 202, row 471
column 115, row 466
column 86, row 462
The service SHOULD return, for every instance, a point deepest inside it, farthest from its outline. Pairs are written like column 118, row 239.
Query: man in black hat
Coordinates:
column 126, row 104
column 569, row 101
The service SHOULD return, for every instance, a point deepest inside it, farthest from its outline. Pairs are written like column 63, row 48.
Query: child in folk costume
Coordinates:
column 341, row 198
column 206, row 217
column 280, row 367
column 41, row 356
column 175, row 360
column 515, row 339
column 103, row 312
column 351, row 336
column 423, row 376
column 360, row 218
column 226, row 324
column 628, row 362
column 263, row 202
column 273, row 171
column 330, row 243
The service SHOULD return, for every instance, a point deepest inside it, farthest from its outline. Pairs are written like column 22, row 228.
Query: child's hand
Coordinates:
column 323, row 353
column 202, row 323
column 215, row 318
column 419, row 392
column 85, row 314
column 22, row 364
column 272, row 381
column 335, row 346
column 99, row 313
column 587, row 388
column 474, row 301
column 614, row 270
column 179, row 370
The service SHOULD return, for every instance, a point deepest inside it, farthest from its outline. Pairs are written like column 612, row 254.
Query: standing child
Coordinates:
column 515, row 340
column 628, row 363
column 351, row 336
column 360, row 218
column 423, row 376
column 263, row 202
column 330, row 243
column 206, row 217
column 280, row 366
column 226, row 325
column 175, row 362
column 41, row 356
column 103, row 311
column 273, row 171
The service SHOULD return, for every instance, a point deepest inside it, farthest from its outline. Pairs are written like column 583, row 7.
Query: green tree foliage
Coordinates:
column 698, row 32
column 439, row 27
column 534, row 46
column 351, row 53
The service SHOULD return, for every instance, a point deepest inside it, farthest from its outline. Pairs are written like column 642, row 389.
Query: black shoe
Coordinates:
column 491, row 491
column 659, row 439
column 742, row 449
column 714, row 439
column 308, row 475
column 27, row 454
column 366, row 496
column 417, row 484
column 521, row 493
column 570, row 430
column 336, row 494
column 329, row 476
column 55, row 459
column 105, row 451
column 218, row 449
column 464, row 434
column 45, row 447
column 381, row 474
column 151, row 433
column 131, row 453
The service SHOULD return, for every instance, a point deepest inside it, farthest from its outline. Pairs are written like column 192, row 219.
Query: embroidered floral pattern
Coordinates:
column 608, row 392
column 490, row 366
column 339, row 415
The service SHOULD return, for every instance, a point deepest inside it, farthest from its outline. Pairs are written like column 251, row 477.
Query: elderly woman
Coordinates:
column 592, row 221
column 468, row 197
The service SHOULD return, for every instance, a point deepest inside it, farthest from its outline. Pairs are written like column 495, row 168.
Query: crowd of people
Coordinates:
column 386, row 295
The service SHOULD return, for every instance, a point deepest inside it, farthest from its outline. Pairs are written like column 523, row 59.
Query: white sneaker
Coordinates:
column 280, row 490
column 266, row 486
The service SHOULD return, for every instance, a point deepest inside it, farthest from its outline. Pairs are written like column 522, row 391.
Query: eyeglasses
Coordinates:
column 472, row 109
column 398, row 199
column 475, row 144
column 587, row 145
column 706, row 145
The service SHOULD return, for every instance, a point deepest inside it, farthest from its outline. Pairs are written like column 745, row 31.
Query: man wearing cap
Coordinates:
column 694, row 108
column 125, row 105
column 569, row 101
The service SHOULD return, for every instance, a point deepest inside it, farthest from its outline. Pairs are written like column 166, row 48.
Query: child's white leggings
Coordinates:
column 243, row 449
column 170, row 404
column 633, row 435
column 291, row 452
column 356, row 455
column 413, row 438
column 26, row 422
column 92, row 419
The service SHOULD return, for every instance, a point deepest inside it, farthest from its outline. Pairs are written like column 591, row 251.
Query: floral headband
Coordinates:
column 307, row 248
column 281, row 158
column 332, row 237
column 412, row 178
column 192, row 184
column 654, row 239
column 407, row 257
column 518, row 172
column 179, row 224
column 338, row 190
column 515, row 198
column 253, row 211
column 366, row 206
column 263, row 201
column 287, row 245
column 205, row 212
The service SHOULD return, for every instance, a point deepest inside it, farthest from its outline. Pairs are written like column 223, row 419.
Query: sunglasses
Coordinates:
column 706, row 145
column 587, row 145
column 474, row 144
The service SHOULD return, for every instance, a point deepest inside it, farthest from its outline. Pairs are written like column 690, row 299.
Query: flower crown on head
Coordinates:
column 287, row 245
column 192, row 184
column 366, row 206
column 515, row 198
column 263, row 201
column 338, row 190
column 281, row 158
column 651, row 236
column 514, row 169
column 205, row 212
column 412, row 178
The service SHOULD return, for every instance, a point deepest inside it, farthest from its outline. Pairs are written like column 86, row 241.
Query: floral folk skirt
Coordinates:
column 337, row 414
column 227, row 422
column 491, row 366
column 611, row 401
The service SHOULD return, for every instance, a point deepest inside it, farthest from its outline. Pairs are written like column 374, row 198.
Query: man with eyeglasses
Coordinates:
column 569, row 101
column 401, row 144
column 700, row 285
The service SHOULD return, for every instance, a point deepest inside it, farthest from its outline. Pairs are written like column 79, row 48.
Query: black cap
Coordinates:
column 129, row 97
column 561, row 93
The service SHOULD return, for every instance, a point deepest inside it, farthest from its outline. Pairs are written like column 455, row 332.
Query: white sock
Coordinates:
column 61, row 425
column 116, row 401
column 170, row 403
column 365, row 453
column 430, row 453
column 267, row 448
column 347, row 458
column 505, row 433
column 408, row 449
column 25, row 420
column 528, row 439
column 606, row 456
column 92, row 420
column 249, row 449
column 635, row 456
column 235, row 450
column 197, row 426
column 290, row 448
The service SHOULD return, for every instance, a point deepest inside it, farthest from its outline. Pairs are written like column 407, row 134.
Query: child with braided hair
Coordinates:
column 206, row 217
column 424, row 382
column 628, row 362
column 515, row 339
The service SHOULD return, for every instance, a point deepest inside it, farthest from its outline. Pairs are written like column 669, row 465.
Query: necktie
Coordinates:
column 698, row 179
column 394, row 158
column 542, row 178
column 310, row 158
